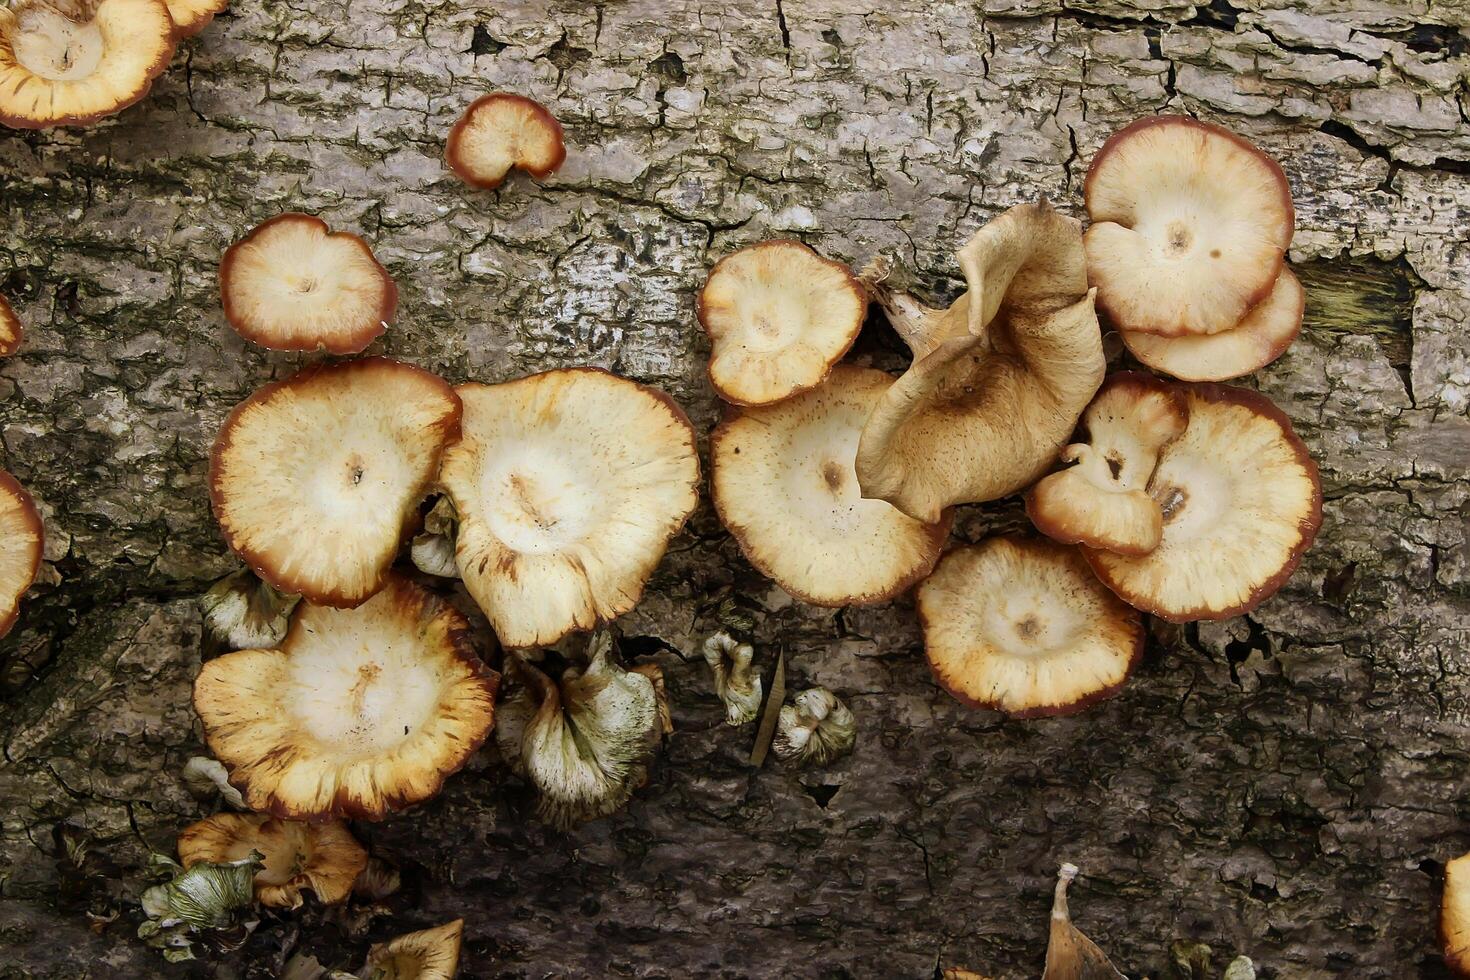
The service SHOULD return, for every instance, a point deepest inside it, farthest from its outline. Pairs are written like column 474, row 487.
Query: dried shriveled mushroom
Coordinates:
column 1070, row 955
column 815, row 729
column 432, row 954
column 998, row 379
column 324, row 857
column 432, row 550
column 568, row 485
column 12, row 332
column 783, row 483
column 72, row 62
column 1103, row 500
column 1190, row 225
column 242, row 612
column 778, row 317
column 358, row 713
column 736, row 682
column 1022, row 626
column 193, row 16
column 1241, row 502
column 294, row 284
column 21, row 541
column 499, row 132
column 316, row 480
column 1454, row 916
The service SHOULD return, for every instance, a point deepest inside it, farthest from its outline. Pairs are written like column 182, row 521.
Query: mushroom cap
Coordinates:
column 323, row 857
column 1022, row 343
column 72, row 62
column 1265, row 333
column 569, row 485
column 778, row 317
column 1103, row 500
column 1454, row 916
column 21, row 540
column 1241, row 502
column 432, row 954
column 501, row 131
column 1190, row 225
column 357, row 713
column 783, row 482
column 192, row 16
column 1023, row 626
column 316, row 480
column 293, row 284
column 12, row 332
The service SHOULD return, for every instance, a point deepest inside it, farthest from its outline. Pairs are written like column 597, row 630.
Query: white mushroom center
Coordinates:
column 537, row 502
column 55, row 46
column 1194, row 497
column 1030, row 621
column 824, row 485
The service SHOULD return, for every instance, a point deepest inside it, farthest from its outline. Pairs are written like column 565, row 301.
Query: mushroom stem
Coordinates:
column 922, row 328
column 1065, row 876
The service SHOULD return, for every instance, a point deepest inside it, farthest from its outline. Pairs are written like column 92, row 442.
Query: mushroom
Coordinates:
column 323, row 857
column 501, row 131
column 243, row 612
column 12, row 332
column 736, row 682
column 778, row 317
column 1022, row 626
column 204, row 896
column 998, row 379
column 1454, row 916
column 783, row 483
column 72, row 62
column 1070, row 955
column 432, row 550
column 1190, row 225
column 294, row 284
column 814, row 730
column 206, row 778
column 357, row 713
column 1103, row 500
column 192, row 16
column 22, row 538
column 432, row 954
column 317, row 479
column 568, row 486
column 1241, row 502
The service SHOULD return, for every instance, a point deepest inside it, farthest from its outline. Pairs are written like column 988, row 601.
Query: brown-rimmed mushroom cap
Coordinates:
column 316, row 480
column 1070, row 955
column 1023, row 626
column 1241, row 502
column 1265, row 333
column 294, row 284
column 72, row 62
column 783, row 482
column 1454, row 916
column 21, row 541
column 192, row 16
column 322, row 857
column 1190, row 226
column 1103, row 500
column 358, row 712
column 569, row 485
column 12, row 332
column 432, row 954
column 499, row 132
column 778, row 317
column 998, row 379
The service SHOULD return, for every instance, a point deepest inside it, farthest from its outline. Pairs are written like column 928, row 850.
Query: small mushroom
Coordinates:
column 242, row 612
column 206, row 778
column 736, row 682
column 72, row 62
column 205, row 896
column 193, row 16
column 1241, row 502
column 432, row 550
column 815, row 729
column 1454, row 916
column 294, row 284
column 359, row 712
column 1103, row 500
column 1022, row 626
column 778, row 317
column 432, row 954
column 323, row 857
column 568, row 486
column 1190, row 226
column 998, row 379
column 12, row 332
column 22, row 538
column 783, row 483
column 1070, row 955
column 501, row 131
column 316, row 480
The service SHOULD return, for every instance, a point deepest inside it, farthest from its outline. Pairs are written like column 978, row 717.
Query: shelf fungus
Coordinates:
column 12, row 332
column 1102, row 501
column 1023, row 343
column 317, row 479
column 73, row 62
column 1241, row 502
column 1070, row 955
column 815, row 729
column 500, row 132
column 779, row 316
column 568, row 486
column 22, row 539
column 736, row 681
column 293, row 284
column 296, row 856
column 432, row 550
column 432, row 954
column 242, row 612
column 1022, row 626
column 357, row 713
column 192, row 16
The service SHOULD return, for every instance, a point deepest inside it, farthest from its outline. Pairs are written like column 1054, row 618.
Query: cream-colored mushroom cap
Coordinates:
column 1454, row 916
column 11, row 330
column 432, row 954
column 22, row 539
column 499, row 132
column 322, row 857
column 192, row 16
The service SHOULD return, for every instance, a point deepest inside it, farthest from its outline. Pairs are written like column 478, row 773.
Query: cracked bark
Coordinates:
column 1286, row 785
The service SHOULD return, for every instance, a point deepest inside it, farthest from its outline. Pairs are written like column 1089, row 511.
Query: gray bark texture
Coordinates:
column 1286, row 785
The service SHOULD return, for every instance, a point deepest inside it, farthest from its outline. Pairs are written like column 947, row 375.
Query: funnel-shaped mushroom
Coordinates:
column 1022, row 626
column 778, row 317
column 11, row 330
column 1103, row 500
column 568, row 485
column 357, row 713
column 242, row 612
column 324, row 857
column 1070, row 955
column 316, row 480
column 294, row 284
column 998, row 379
column 71, row 62
column 192, row 16
column 432, row 954
column 21, row 543
column 499, row 132
column 1241, row 502
column 783, row 482
column 1190, row 225
column 1454, row 916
